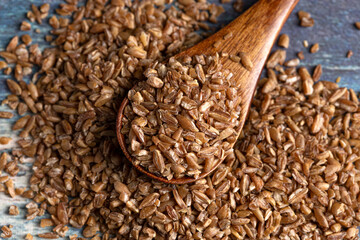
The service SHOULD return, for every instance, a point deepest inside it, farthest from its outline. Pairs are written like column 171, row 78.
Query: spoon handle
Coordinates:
column 254, row 33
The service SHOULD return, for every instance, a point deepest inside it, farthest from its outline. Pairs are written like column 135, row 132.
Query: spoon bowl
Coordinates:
column 253, row 33
column 122, row 142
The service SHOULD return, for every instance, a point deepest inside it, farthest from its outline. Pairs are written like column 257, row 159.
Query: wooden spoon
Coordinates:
column 254, row 33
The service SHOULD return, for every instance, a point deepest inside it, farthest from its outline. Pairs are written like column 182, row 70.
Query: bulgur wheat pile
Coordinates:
column 293, row 174
column 182, row 120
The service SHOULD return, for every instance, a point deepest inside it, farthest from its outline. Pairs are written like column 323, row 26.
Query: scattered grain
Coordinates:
column 228, row 36
column 246, row 61
column 7, row 115
column 238, row 5
column 317, row 73
column 306, row 43
column 305, row 19
column 293, row 172
column 300, row 55
column 234, row 58
column 45, row 8
column 29, row 237
column 8, row 71
column 3, row 65
column 217, row 44
column 178, row 109
column 25, row 26
column 284, row 41
column 46, row 222
column 357, row 25
column 314, row 48
column 6, row 232
column 48, row 38
column 12, row 44
column 303, row 14
column 48, row 235
column 26, row 39
column 14, row 210
column 4, row 140
column 10, row 188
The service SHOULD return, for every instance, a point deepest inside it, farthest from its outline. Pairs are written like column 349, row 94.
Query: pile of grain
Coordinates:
column 181, row 121
column 293, row 175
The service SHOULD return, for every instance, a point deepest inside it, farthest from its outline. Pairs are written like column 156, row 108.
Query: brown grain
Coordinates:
column 14, row 210
column 228, row 35
column 234, row 58
column 305, row 43
column 303, row 14
column 46, row 222
column 6, row 115
column 14, row 87
column 164, row 155
column 26, row 39
column 293, row 172
column 217, row 44
column 284, row 41
column 8, row 71
column 246, row 61
column 3, row 65
column 317, row 73
column 45, row 8
column 5, row 140
column 305, row 19
column 300, row 55
column 6, row 232
column 238, row 5
column 314, row 48
column 25, row 26
column 12, row 44
column 357, row 25
column 48, row 235
column 29, row 237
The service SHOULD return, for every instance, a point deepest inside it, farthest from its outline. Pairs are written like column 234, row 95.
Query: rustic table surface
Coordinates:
column 334, row 30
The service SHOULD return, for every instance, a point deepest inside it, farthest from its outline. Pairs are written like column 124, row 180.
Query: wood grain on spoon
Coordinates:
column 253, row 33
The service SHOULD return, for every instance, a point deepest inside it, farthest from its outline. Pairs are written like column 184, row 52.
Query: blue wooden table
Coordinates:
column 334, row 30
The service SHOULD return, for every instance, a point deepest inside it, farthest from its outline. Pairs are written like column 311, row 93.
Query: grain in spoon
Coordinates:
column 249, row 38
